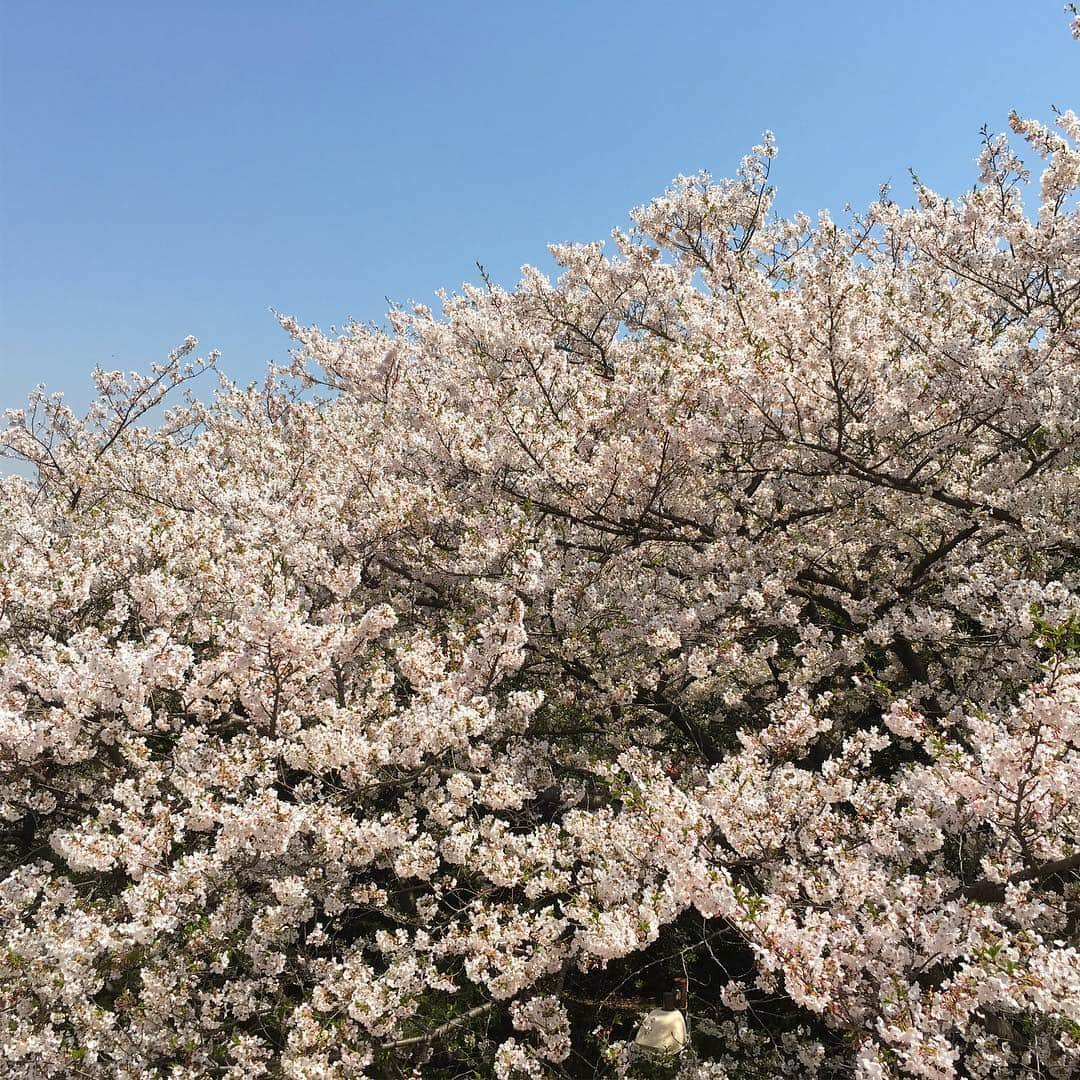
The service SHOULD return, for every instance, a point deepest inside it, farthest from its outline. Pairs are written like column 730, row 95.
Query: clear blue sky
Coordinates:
column 174, row 168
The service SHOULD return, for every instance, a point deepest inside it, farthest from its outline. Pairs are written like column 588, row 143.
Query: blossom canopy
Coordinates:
column 712, row 611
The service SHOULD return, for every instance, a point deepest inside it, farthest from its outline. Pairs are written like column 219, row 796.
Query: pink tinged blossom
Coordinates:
column 722, row 590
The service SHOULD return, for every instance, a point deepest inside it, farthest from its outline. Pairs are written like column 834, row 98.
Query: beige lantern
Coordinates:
column 663, row 1031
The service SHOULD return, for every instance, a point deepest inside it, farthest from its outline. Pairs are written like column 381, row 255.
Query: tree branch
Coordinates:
column 441, row 1030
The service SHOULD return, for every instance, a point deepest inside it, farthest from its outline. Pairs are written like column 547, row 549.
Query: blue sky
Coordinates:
column 181, row 168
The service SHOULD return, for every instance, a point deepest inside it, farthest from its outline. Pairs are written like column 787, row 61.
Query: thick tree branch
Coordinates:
column 443, row 1029
column 1052, row 875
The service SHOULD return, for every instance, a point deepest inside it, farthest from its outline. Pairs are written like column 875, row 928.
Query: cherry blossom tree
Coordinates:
column 711, row 611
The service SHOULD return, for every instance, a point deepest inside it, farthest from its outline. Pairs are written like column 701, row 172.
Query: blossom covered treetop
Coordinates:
column 710, row 611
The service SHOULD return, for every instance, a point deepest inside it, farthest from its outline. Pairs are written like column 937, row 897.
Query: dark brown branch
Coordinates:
column 666, row 707
column 1053, row 874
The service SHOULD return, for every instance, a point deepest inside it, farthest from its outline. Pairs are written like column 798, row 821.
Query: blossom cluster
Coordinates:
column 711, row 611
